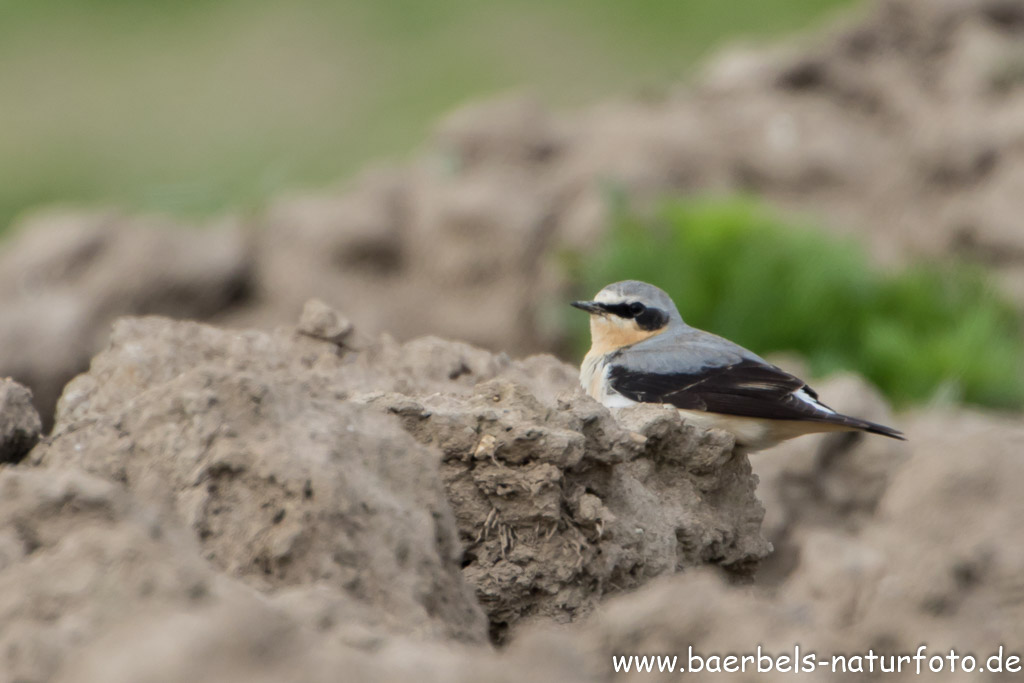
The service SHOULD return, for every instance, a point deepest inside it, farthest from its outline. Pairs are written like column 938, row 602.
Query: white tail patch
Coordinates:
column 811, row 401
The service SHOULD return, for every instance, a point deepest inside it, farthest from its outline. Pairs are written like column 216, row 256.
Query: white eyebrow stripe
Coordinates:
column 606, row 297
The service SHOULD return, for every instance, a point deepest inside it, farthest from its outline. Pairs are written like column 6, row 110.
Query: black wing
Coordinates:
column 747, row 389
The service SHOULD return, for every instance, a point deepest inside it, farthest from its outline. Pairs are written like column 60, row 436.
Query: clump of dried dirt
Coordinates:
column 936, row 562
column 19, row 422
column 282, row 481
column 297, row 461
column 78, row 555
column 560, row 505
column 282, row 505
column 98, row 586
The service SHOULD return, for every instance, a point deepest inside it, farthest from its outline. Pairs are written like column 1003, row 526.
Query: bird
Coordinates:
column 642, row 352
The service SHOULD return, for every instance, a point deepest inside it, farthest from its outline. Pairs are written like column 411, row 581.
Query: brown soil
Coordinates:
column 323, row 502
column 250, row 504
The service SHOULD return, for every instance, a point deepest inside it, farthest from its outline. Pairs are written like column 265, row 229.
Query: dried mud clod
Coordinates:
column 20, row 425
column 561, row 504
column 386, row 470
column 396, row 505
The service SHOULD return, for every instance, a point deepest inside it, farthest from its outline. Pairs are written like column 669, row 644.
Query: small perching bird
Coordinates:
column 643, row 352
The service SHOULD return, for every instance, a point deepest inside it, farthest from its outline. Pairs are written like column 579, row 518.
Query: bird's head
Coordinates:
column 627, row 312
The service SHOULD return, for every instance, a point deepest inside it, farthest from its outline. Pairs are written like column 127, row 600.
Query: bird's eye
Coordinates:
column 636, row 308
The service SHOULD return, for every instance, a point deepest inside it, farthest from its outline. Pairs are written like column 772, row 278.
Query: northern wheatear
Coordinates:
column 643, row 352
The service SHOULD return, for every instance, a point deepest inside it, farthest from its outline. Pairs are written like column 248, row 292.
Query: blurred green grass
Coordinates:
column 930, row 331
column 199, row 106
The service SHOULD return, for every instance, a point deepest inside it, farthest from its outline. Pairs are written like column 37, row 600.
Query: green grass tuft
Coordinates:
column 736, row 270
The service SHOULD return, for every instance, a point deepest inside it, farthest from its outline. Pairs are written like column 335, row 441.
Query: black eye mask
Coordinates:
column 646, row 318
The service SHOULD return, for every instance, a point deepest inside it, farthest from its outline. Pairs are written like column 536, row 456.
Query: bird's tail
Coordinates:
column 871, row 427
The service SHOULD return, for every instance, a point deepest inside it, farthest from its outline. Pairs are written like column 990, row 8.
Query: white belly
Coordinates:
column 756, row 434
column 594, row 379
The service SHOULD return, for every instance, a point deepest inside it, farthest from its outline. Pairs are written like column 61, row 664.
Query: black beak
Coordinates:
column 589, row 306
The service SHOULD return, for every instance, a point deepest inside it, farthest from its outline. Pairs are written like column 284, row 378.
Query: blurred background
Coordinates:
column 462, row 168
column 201, row 106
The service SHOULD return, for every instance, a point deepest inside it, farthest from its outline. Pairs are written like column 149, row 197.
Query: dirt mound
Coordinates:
column 283, row 454
column 282, row 481
column 291, row 504
column 77, row 555
column 559, row 505
column 98, row 587
column 65, row 276
column 904, row 129
column 938, row 563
